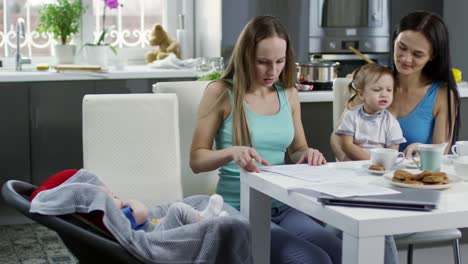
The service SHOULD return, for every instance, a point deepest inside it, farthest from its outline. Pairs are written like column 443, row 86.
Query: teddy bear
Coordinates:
column 165, row 45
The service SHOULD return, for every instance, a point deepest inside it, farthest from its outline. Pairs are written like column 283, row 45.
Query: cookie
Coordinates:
column 376, row 167
column 423, row 174
column 402, row 175
column 440, row 173
column 413, row 182
column 433, row 179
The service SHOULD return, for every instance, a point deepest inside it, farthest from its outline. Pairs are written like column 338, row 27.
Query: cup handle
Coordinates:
column 411, row 153
column 454, row 149
column 400, row 158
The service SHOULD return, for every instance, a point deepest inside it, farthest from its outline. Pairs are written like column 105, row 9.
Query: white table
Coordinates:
column 363, row 228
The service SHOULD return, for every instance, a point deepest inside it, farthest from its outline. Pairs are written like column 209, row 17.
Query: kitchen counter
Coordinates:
column 327, row 96
column 130, row 72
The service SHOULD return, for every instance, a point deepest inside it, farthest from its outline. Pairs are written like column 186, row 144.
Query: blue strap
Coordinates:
column 128, row 212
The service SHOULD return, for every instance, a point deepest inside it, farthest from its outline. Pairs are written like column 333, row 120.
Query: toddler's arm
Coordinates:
column 353, row 151
column 397, row 147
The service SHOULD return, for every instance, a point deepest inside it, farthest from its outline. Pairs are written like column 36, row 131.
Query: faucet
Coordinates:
column 20, row 34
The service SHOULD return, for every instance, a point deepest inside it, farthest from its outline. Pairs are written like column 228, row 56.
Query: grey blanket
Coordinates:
column 213, row 240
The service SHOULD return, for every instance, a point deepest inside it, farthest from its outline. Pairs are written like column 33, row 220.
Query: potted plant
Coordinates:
column 62, row 20
column 97, row 52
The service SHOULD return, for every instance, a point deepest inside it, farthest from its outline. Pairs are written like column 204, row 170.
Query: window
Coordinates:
column 129, row 25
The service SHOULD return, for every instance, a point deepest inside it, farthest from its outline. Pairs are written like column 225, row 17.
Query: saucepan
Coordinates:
column 317, row 72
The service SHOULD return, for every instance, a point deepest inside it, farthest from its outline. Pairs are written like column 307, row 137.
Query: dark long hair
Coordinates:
column 433, row 27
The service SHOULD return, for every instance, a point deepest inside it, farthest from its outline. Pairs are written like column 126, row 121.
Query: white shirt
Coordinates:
column 371, row 131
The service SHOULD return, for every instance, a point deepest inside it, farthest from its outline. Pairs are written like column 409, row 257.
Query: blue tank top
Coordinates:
column 418, row 125
column 271, row 136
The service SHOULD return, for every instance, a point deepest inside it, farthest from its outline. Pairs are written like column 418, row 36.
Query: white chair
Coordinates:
column 340, row 98
column 189, row 94
column 131, row 141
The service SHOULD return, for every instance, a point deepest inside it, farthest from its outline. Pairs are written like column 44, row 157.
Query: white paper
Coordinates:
column 319, row 174
column 343, row 189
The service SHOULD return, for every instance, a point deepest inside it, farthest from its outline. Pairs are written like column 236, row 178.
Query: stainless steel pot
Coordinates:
column 317, row 72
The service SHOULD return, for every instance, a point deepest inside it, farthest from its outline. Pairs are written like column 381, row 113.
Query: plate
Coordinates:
column 409, row 163
column 376, row 172
column 452, row 180
column 448, row 159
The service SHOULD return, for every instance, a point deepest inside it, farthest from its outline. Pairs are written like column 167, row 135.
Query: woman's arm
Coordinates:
column 299, row 151
column 213, row 109
column 351, row 150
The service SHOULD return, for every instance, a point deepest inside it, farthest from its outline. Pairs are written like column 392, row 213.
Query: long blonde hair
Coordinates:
column 241, row 69
column 362, row 76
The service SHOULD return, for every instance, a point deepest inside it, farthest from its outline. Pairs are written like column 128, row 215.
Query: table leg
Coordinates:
column 256, row 207
column 367, row 250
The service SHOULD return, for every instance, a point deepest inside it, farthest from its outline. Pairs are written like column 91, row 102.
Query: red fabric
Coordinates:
column 55, row 180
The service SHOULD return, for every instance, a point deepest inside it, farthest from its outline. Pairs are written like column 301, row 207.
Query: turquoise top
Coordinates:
column 418, row 125
column 271, row 136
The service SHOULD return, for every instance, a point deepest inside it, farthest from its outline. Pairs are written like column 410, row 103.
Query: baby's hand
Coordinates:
column 140, row 211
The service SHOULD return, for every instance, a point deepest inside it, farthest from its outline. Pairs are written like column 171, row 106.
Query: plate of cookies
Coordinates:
column 422, row 179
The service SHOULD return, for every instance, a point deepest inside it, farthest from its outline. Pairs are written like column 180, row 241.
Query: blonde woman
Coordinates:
column 253, row 114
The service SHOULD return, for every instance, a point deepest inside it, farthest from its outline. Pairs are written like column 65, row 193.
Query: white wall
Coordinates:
column 207, row 28
column 456, row 16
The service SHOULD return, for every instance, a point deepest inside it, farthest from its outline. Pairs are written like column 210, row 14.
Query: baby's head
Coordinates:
column 373, row 83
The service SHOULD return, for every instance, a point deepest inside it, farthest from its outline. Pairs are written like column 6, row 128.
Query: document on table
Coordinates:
column 333, row 181
column 313, row 173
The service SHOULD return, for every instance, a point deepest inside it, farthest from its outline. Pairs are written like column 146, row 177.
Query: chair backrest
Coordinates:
column 189, row 94
column 340, row 98
column 131, row 141
column 78, row 236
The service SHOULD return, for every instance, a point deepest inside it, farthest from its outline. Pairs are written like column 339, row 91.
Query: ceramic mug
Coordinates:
column 460, row 148
column 388, row 158
column 430, row 156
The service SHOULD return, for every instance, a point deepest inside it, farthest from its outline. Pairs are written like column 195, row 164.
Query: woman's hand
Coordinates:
column 312, row 157
column 245, row 157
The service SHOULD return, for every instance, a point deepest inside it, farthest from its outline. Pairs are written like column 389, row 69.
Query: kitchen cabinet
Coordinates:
column 317, row 120
column 56, row 130
column 124, row 86
column 14, row 133
column 42, row 123
column 14, row 139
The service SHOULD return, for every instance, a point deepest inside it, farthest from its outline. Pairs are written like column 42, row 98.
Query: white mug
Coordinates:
column 460, row 148
column 388, row 158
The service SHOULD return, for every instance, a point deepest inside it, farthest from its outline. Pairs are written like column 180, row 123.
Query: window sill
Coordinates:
column 129, row 72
